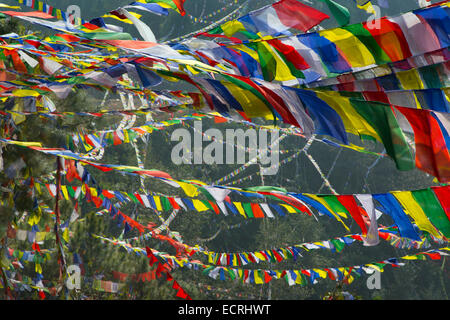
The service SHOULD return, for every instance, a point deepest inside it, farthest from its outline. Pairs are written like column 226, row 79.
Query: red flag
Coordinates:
column 443, row 195
column 391, row 39
column 215, row 207
column 179, row 4
column 34, row 14
column 277, row 255
column 160, row 269
column 138, row 196
column 290, row 53
column 290, row 200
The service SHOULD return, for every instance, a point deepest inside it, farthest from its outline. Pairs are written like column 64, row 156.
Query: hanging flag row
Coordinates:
column 260, row 276
column 311, row 56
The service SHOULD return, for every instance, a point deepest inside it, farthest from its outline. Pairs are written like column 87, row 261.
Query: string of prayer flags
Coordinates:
column 275, row 19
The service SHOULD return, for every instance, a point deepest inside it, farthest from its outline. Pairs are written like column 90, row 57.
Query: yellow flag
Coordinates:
column 323, row 202
column 367, row 7
column 299, row 279
column 323, row 274
column 259, row 255
column 2, row 5
column 40, row 236
column 252, row 105
column 373, row 266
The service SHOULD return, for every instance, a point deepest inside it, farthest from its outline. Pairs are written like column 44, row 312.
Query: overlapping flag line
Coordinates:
column 100, row 139
column 372, row 120
column 158, row 7
column 27, row 284
column 294, row 251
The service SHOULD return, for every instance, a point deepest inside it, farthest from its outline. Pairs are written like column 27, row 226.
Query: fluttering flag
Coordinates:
column 177, row 5
column 120, row 15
